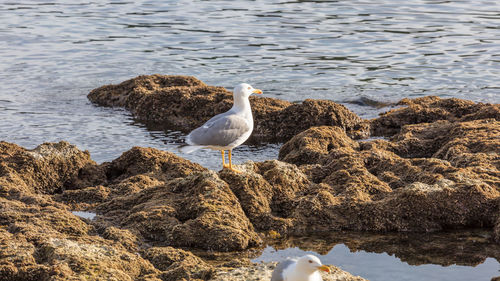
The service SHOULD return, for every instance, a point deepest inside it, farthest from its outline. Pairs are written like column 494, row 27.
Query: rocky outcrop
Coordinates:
column 314, row 144
column 177, row 264
column 184, row 103
column 430, row 176
column 198, row 211
column 431, row 109
column 42, row 241
column 47, row 169
column 161, row 217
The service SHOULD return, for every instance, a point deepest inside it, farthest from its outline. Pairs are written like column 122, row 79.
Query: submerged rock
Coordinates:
column 184, row 103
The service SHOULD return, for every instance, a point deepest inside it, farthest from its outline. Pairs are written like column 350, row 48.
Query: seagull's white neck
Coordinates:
column 241, row 105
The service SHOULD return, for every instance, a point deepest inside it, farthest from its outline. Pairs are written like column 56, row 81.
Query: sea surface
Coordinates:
column 358, row 53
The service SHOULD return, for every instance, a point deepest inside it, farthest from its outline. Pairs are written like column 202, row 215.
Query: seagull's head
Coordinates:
column 245, row 90
column 310, row 264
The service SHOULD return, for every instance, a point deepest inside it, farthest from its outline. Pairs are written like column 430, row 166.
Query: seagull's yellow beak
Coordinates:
column 257, row 91
column 324, row 268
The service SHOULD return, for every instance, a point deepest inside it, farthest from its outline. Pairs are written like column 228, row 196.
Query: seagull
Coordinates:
column 304, row 269
column 227, row 130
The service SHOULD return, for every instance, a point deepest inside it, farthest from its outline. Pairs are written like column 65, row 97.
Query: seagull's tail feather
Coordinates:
column 189, row 148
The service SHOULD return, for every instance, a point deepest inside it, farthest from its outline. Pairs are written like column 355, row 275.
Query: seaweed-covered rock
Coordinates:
column 184, row 103
column 430, row 109
column 49, row 243
column 196, row 211
column 153, row 163
column 177, row 264
column 314, row 144
column 47, row 169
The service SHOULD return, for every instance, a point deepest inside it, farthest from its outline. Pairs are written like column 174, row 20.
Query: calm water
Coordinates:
column 85, row 215
column 467, row 256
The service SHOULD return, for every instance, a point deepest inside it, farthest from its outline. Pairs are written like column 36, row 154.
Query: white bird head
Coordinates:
column 245, row 90
column 310, row 264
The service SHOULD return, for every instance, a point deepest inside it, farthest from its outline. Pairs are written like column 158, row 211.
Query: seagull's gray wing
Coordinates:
column 219, row 131
column 280, row 268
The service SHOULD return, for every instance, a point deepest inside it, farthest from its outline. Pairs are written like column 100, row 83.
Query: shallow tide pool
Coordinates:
column 462, row 255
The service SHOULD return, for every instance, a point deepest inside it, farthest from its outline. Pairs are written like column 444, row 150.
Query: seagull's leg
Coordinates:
column 224, row 165
column 231, row 165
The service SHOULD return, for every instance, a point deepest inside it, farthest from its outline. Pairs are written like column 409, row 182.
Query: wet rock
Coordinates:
column 266, row 192
column 123, row 236
column 177, row 264
column 49, row 168
column 314, row 144
column 184, row 103
column 84, row 198
column 196, row 211
column 91, row 260
column 263, row 272
column 49, row 243
column 299, row 117
column 431, row 109
column 160, row 165
column 428, row 177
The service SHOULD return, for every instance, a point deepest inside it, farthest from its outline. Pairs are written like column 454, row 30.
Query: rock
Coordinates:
column 299, row 117
column 314, row 144
column 92, row 260
column 84, row 198
column 184, row 103
column 196, row 211
column 156, row 164
column 49, row 243
column 49, row 168
column 177, row 264
column 431, row 109
column 123, row 236
column 263, row 272
column 438, row 171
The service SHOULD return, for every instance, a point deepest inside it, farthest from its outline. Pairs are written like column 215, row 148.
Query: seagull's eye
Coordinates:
column 249, row 88
column 310, row 261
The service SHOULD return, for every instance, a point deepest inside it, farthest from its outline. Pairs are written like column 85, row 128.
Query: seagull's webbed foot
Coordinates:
column 235, row 170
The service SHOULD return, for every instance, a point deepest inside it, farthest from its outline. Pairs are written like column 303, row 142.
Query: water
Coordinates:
column 85, row 215
column 464, row 255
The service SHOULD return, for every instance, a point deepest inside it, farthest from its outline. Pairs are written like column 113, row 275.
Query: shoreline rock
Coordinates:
column 184, row 103
column 162, row 217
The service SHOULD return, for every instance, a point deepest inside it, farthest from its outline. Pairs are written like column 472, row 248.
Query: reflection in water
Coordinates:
column 85, row 215
column 460, row 255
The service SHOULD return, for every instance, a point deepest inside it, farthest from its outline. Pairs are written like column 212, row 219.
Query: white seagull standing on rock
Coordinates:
column 227, row 130
column 304, row 269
